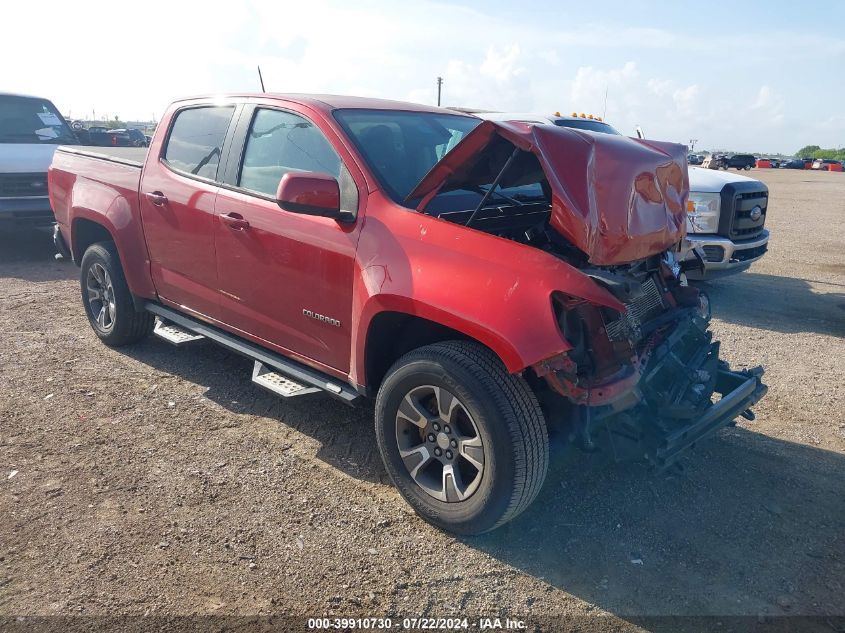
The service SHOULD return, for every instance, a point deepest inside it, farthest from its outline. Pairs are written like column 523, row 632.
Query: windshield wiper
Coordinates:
column 513, row 201
column 26, row 135
column 495, row 184
column 205, row 160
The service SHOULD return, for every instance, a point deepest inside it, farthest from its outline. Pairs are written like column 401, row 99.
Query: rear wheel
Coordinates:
column 463, row 441
column 107, row 300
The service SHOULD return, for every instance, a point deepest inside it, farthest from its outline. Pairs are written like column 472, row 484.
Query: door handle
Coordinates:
column 156, row 198
column 235, row 221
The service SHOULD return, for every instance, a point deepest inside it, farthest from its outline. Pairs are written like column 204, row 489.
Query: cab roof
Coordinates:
column 328, row 102
column 22, row 96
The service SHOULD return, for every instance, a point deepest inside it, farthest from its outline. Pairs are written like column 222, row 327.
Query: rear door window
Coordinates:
column 196, row 140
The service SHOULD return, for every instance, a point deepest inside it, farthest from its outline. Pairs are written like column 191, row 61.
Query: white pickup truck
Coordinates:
column 31, row 128
column 727, row 212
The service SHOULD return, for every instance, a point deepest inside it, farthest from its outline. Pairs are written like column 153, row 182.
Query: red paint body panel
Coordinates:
column 105, row 193
column 616, row 198
column 313, row 190
column 491, row 289
column 256, row 277
column 180, row 232
column 282, row 264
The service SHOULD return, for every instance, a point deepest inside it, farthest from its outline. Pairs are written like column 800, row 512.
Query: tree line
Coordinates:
column 814, row 151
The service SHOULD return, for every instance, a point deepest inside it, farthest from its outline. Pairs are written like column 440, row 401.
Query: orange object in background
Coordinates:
column 763, row 163
column 835, row 167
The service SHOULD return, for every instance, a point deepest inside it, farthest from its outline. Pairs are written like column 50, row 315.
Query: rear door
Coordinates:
column 280, row 272
column 178, row 189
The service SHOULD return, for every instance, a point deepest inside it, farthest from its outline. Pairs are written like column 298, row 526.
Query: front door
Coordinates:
column 177, row 208
column 286, row 278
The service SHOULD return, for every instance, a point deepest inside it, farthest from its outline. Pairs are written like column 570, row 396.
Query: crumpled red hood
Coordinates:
column 616, row 198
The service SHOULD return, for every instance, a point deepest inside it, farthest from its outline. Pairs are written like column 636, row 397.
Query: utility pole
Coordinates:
column 439, row 84
column 692, row 143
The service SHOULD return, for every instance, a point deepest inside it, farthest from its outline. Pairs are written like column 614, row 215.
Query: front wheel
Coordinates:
column 107, row 300
column 463, row 441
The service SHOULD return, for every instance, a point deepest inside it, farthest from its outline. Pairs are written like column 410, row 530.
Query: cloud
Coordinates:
column 502, row 65
column 588, row 90
column 687, row 101
column 665, row 79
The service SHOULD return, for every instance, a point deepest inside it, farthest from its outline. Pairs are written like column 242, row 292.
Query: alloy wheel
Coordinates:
column 101, row 300
column 439, row 443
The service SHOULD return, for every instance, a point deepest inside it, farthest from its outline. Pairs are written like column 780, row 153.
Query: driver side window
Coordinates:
column 280, row 142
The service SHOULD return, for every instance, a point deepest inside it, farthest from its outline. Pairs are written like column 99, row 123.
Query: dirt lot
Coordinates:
column 157, row 480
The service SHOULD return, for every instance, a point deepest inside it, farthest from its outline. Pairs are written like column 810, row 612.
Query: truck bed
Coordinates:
column 99, row 187
column 130, row 156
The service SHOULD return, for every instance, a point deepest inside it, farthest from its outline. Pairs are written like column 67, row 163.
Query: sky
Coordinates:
column 765, row 77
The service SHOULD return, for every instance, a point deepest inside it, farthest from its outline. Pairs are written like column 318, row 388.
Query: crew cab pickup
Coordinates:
column 486, row 283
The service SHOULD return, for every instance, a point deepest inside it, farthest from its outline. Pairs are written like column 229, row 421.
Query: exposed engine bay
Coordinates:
column 640, row 383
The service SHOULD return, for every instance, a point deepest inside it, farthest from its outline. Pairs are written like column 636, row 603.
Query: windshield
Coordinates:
column 401, row 147
column 28, row 120
column 587, row 124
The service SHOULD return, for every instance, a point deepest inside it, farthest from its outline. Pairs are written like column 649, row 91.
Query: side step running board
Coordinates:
column 279, row 374
column 174, row 334
column 277, row 383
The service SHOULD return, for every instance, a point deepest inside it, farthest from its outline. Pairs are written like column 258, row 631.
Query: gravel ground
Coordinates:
column 160, row 481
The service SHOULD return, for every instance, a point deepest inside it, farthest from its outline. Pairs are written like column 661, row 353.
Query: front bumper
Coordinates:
column 678, row 384
column 723, row 256
column 739, row 390
column 670, row 406
column 29, row 210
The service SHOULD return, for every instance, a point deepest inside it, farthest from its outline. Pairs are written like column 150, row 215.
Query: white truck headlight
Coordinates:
column 703, row 212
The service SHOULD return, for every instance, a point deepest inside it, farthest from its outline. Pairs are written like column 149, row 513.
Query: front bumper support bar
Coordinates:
column 739, row 390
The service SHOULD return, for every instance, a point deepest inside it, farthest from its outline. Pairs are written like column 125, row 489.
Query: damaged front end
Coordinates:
column 644, row 378
column 647, row 382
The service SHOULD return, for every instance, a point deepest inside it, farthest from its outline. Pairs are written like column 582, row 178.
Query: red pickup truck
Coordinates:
column 487, row 283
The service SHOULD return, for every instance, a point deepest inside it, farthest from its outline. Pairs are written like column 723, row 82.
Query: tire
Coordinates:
column 747, row 168
column 498, row 424
column 107, row 300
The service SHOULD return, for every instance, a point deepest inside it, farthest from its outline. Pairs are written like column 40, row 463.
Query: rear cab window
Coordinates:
column 196, row 140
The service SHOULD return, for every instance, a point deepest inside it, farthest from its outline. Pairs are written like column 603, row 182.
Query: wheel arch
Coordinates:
column 88, row 227
column 84, row 232
column 392, row 333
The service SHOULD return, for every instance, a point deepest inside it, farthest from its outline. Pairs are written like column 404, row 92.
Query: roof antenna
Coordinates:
column 261, row 79
column 604, row 114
